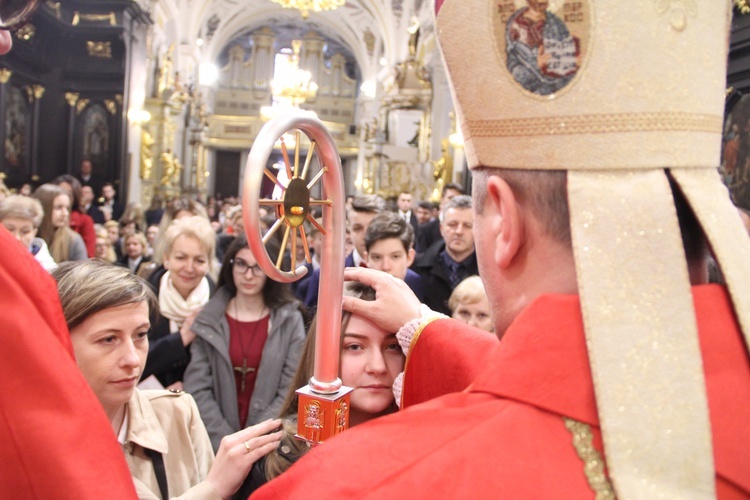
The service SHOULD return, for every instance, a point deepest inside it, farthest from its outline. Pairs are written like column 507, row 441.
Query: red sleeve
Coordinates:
column 84, row 225
column 445, row 358
column 56, row 441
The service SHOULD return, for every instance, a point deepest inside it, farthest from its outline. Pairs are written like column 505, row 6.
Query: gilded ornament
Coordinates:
column 5, row 75
column 147, row 160
column 82, row 103
column 307, row 6
column 593, row 464
column 99, row 49
column 72, row 98
column 26, row 33
column 111, row 106
column 314, row 421
column 38, row 91
column 55, row 6
column 742, row 6
column 110, row 18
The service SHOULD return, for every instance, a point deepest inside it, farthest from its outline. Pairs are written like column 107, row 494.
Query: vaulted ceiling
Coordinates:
column 373, row 31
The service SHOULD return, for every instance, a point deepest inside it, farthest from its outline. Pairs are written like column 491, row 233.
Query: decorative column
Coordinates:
column 72, row 100
column 5, row 75
column 34, row 93
column 263, row 61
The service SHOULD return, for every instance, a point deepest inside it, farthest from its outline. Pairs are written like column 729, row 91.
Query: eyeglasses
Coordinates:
column 241, row 267
column 15, row 13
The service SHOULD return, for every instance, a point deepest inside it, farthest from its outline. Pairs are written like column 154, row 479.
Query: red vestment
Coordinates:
column 55, row 440
column 504, row 436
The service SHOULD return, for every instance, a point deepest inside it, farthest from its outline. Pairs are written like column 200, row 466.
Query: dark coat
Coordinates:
column 123, row 261
column 167, row 356
column 427, row 235
column 436, row 277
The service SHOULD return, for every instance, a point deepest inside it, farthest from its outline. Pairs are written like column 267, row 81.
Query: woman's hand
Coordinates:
column 185, row 330
column 394, row 305
column 237, row 454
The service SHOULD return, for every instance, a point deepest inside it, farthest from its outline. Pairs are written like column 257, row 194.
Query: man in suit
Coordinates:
column 88, row 205
column 110, row 207
column 87, row 176
column 404, row 202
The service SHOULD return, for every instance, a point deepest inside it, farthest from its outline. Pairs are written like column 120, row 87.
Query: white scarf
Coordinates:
column 174, row 307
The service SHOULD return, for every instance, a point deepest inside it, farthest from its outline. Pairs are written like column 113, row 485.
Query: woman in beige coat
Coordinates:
column 166, row 446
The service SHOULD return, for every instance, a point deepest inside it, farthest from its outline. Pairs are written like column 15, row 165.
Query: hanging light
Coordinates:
column 307, row 6
column 294, row 84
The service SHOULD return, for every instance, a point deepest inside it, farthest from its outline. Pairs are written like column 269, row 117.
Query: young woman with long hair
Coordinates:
column 64, row 243
column 370, row 360
column 249, row 340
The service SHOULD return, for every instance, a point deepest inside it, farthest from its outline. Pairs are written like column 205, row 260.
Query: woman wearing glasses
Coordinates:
column 248, row 345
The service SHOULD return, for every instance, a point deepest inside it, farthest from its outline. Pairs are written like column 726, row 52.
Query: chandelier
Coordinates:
column 307, row 6
column 294, row 84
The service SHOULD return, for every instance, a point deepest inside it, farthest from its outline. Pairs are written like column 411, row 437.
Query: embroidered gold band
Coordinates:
column 593, row 464
column 597, row 124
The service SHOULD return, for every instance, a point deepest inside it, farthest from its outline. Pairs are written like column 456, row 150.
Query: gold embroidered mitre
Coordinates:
column 619, row 94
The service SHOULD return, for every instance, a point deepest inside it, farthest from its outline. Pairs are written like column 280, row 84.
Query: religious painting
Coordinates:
column 16, row 123
column 735, row 150
column 96, row 134
column 543, row 43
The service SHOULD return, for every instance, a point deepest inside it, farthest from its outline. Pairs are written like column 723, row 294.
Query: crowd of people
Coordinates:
column 615, row 370
column 170, row 314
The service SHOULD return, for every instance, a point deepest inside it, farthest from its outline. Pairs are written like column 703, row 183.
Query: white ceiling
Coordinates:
column 184, row 21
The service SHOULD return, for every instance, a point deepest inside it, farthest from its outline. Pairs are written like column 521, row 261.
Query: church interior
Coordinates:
column 166, row 97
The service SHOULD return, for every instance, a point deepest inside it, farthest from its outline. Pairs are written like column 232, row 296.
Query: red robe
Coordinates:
column 55, row 440
column 83, row 224
column 504, row 436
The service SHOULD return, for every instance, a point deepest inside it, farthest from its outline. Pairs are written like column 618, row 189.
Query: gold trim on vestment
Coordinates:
column 597, row 124
column 593, row 463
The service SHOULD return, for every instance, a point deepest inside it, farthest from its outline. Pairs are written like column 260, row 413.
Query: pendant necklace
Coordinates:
column 244, row 370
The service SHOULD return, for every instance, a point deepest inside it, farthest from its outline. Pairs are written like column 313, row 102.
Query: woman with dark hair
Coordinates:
column 248, row 345
column 80, row 221
column 370, row 361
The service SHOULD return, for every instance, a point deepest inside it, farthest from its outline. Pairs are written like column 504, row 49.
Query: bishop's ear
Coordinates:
column 504, row 220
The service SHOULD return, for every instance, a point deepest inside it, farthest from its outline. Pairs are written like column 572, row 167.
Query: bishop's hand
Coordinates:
column 394, row 305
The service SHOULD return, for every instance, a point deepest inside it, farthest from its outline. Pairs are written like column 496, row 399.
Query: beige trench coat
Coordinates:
column 169, row 423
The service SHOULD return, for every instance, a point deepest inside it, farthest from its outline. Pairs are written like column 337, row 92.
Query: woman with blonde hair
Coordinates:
column 177, row 209
column 183, row 287
column 113, row 233
column 469, row 303
column 135, row 256
column 107, row 310
column 64, row 243
column 21, row 216
column 103, row 248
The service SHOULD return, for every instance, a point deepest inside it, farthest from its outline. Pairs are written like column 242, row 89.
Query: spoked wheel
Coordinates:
column 294, row 207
